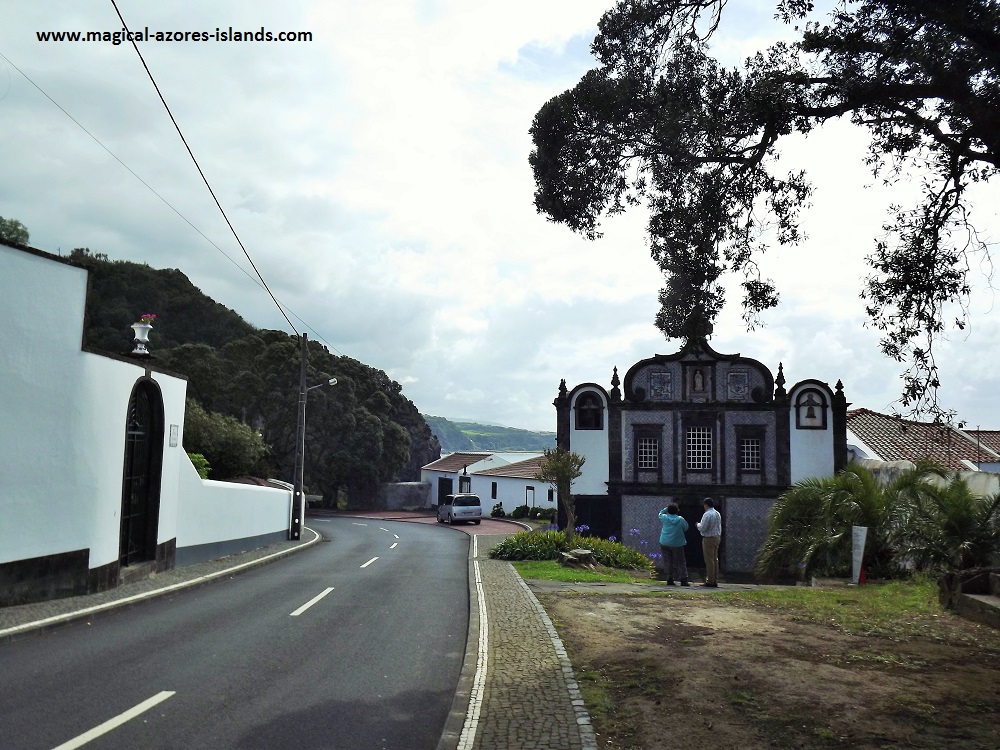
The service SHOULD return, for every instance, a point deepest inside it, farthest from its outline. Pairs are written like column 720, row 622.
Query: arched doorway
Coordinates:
column 141, row 475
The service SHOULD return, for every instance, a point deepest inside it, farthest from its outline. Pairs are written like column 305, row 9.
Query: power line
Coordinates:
column 168, row 204
column 198, row 167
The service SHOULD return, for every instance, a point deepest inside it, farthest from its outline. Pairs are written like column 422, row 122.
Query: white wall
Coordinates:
column 511, row 492
column 592, row 445
column 811, row 450
column 63, row 413
column 210, row 512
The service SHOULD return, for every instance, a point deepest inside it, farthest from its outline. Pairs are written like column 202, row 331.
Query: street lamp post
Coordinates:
column 298, row 498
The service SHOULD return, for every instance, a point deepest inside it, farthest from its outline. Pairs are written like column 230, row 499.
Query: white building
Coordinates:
column 94, row 479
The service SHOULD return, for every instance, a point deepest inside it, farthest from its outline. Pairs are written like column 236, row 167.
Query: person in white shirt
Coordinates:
column 710, row 527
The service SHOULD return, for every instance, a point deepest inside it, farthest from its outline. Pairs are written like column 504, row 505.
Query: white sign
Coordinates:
column 175, row 431
column 859, row 534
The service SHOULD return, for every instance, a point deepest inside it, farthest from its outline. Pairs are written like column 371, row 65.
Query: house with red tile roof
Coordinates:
column 884, row 437
column 485, row 474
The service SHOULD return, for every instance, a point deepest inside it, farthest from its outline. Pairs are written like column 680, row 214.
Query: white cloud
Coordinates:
column 378, row 176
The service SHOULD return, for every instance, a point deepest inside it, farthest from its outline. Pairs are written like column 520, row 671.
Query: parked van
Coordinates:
column 463, row 507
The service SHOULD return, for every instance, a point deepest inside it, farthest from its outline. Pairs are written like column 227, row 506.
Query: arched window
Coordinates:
column 589, row 412
column 810, row 410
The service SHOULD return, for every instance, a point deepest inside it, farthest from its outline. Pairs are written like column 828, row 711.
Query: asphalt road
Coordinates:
column 352, row 644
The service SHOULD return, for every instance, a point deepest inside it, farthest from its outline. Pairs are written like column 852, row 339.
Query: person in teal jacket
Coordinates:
column 672, row 543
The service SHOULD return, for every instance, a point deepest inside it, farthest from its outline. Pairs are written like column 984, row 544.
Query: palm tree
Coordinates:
column 811, row 524
column 948, row 527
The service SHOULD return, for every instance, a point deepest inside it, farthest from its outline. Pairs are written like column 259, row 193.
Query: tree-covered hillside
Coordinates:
column 358, row 433
column 471, row 436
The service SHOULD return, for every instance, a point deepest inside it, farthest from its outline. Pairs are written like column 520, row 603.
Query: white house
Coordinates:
column 94, row 479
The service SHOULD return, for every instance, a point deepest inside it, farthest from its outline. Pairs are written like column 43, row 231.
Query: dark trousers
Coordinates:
column 674, row 563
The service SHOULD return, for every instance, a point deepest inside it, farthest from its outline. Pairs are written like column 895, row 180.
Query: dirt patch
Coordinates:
column 672, row 673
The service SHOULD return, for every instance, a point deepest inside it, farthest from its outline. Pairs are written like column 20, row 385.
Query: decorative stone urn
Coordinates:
column 141, row 337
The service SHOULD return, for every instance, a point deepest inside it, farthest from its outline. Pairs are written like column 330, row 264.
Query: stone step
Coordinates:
column 136, row 572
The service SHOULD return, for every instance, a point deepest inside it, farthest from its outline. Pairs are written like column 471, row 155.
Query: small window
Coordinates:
column 493, row 490
column 464, row 484
column 552, row 495
column 647, row 451
column 589, row 412
column 750, row 454
column 699, row 448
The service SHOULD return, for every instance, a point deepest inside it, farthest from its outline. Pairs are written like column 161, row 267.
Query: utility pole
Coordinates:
column 298, row 499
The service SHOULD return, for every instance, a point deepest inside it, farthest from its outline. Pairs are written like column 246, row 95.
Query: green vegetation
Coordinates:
column 916, row 521
column 896, row 609
column 201, row 464
column 550, row 570
column 13, row 231
column 471, row 436
column 661, row 121
column 560, row 468
column 230, row 447
column 546, row 545
column 359, row 433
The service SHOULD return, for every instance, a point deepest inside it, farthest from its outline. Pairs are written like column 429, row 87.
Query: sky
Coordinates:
column 378, row 176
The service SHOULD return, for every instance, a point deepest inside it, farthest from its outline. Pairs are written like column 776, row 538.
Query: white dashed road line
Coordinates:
column 369, row 562
column 116, row 722
column 311, row 602
column 393, row 545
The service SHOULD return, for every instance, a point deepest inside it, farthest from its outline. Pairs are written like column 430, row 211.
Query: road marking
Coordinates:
column 382, row 528
column 396, row 536
column 393, row 545
column 321, row 520
column 358, row 524
column 369, row 562
column 116, row 722
column 311, row 602
column 468, row 736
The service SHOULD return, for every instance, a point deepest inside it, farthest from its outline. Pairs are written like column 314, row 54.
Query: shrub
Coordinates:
column 498, row 511
column 200, row 464
column 546, row 545
column 521, row 511
column 545, row 514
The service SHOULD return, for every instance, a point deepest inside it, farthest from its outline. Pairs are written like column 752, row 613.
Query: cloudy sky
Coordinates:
column 378, row 176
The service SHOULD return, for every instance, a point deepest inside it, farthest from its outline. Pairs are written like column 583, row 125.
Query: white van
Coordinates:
column 462, row 507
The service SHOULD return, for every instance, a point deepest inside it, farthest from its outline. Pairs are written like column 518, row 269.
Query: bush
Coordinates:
column 521, row 511
column 545, row 514
column 498, row 511
column 546, row 545
column 200, row 464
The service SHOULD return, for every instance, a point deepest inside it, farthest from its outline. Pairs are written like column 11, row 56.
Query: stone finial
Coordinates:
column 779, row 382
column 616, row 394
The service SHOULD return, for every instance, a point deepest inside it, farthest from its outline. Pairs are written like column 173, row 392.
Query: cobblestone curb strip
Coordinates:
column 588, row 738
column 31, row 617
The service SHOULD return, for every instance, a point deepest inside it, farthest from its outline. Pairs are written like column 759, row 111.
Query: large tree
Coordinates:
column 662, row 122
column 13, row 231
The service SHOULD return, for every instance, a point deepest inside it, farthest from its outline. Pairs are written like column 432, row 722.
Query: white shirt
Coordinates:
column 710, row 523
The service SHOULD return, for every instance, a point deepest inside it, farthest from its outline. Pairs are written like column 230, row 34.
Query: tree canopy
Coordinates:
column 560, row 468
column 661, row 122
column 13, row 231
column 244, row 383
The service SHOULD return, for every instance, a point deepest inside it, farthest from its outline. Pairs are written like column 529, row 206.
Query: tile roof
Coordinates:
column 897, row 439
column 987, row 438
column 521, row 470
column 456, row 461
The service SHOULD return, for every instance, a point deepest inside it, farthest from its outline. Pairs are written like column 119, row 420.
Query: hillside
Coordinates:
column 471, row 436
column 358, row 434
